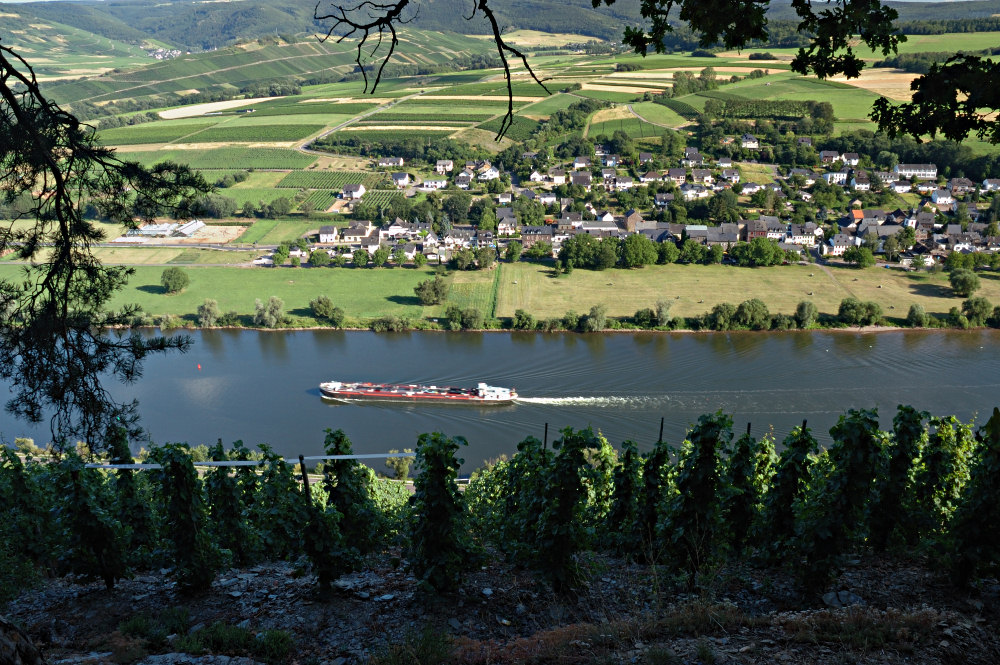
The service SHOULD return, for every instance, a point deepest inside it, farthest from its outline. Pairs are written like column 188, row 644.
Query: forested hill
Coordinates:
column 193, row 25
column 198, row 25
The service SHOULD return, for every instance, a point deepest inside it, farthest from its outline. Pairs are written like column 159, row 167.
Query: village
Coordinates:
column 948, row 217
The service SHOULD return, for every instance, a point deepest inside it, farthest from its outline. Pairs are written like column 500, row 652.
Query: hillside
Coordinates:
column 199, row 25
column 231, row 68
column 57, row 50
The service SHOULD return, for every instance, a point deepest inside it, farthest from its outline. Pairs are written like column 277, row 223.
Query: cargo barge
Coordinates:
column 402, row 392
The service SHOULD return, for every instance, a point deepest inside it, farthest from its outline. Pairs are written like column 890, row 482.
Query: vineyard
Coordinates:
column 381, row 198
column 320, row 200
column 227, row 158
column 333, row 180
column 220, row 133
column 930, row 484
column 521, row 128
column 154, row 133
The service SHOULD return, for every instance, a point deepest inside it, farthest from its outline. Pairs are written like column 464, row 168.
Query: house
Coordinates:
column 850, row 158
column 991, row 184
column 703, row 176
column 600, row 149
column 463, row 180
column 804, row 140
column 838, row 244
column 692, row 192
column 961, row 186
column 633, row 219
column 583, row 179
column 920, row 171
column 357, row 232
column 808, row 177
column 725, row 235
column 645, row 157
column 942, row 197
column 533, row 234
column 401, row 179
column 776, row 229
column 663, row 200
column 327, row 234
column 581, row 163
column 536, row 176
column 432, row 184
column 504, row 197
column 507, row 226
column 489, row 173
column 547, row 198
column 801, row 234
column 829, row 156
column 558, row 176
column 529, row 155
column 731, row 175
column 751, row 188
column 885, row 177
column 692, row 158
column 836, row 177
column 609, row 174
column 755, row 228
column 458, row 238
column 749, row 142
column 650, row 176
column 624, row 183
column 725, row 163
column 611, row 160
column 444, row 166
column 861, row 182
column 390, row 162
column 677, row 176
column 353, row 191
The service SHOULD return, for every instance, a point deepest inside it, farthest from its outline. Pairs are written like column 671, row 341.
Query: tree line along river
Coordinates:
column 262, row 387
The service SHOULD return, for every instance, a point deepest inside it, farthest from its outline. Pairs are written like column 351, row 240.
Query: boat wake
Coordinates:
column 608, row 402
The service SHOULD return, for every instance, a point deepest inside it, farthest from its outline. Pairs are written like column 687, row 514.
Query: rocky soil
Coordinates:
column 878, row 612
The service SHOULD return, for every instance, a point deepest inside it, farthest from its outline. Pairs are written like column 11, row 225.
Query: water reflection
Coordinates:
column 274, row 345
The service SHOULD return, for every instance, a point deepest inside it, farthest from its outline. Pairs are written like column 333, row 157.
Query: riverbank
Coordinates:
column 690, row 290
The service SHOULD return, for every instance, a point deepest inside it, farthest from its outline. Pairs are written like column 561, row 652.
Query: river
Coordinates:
column 262, row 386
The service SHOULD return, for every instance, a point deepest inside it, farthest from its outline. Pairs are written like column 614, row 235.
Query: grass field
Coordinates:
column 251, row 133
column 171, row 255
column 361, row 292
column 227, row 158
column 273, row 232
column 658, row 113
column 634, row 127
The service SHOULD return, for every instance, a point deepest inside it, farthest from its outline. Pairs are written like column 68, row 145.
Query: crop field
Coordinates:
column 659, row 114
column 380, row 135
column 471, row 289
column 330, row 180
column 301, row 105
column 521, row 128
column 549, row 105
column 439, row 115
column 389, row 121
column 947, row 42
column 248, row 133
column 244, row 195
column 848, row 101
column 634, row 127
column 258, row 158
column 607, row 96
column 153, row 132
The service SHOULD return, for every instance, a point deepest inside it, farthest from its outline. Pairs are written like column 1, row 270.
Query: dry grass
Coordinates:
column 891, row 83
column 611, row 114
column 211, row 107
column 694, row 290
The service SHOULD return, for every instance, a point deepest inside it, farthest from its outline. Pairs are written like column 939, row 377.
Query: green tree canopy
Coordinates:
column 174, row 280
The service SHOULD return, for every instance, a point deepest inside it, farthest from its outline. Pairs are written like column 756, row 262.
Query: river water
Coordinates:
column 262, row 386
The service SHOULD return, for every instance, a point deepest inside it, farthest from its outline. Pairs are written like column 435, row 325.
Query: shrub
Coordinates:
column 208, row 313
column 270, row 314
column 390, row 323
column 438, row 551
column 917, row 317
column 806, row 314
column 432, row 291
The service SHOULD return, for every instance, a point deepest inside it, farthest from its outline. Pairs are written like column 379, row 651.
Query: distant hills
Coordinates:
column 196, row 25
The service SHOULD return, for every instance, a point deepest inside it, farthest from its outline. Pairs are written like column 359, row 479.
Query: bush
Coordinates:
column 806, row 314
column 270, row 314
column 390, row 323
column 917, row 317
column 208, row 313
column 174, row 280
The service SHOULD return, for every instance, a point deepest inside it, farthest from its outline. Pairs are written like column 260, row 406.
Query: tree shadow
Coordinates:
column 301, row 311
column 152, row 288
column 404, row 300
column 931, row 290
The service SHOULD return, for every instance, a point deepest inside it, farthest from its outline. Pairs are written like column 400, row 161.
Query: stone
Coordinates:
column 235, row 594
column 455, row 624
column 387, row 596
column 363, row 595
column 487, row 592
column 837, row 599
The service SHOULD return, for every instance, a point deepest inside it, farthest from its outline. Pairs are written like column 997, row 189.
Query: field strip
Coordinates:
column 487, row 98
column 209, row 107
column 412, row 128
column 892, row 83
column 346, row 100
column 618, row 88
